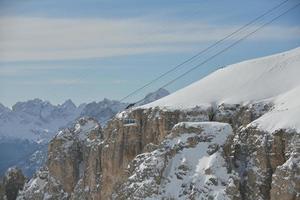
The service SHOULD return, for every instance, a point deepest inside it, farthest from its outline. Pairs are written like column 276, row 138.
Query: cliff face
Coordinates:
column 145, row 157
column 83, row 168
column 268, row 163
column 124, row 141
column 189, row 164
column 68, row 159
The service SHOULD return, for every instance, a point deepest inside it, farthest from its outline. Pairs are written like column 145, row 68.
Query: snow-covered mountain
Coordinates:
column 31, row 124
column 232, row 135
column 103, row 110
column 39, row 120
column 36, row 120
column 274, row 79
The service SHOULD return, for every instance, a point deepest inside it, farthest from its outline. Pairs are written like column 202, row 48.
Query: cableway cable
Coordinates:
column 205, row 50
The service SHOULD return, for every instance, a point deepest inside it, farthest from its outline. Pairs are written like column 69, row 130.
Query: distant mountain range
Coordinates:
column 27, row 128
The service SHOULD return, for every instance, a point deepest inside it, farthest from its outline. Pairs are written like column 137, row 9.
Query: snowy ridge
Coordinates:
column 36, row 120
column 272, row 79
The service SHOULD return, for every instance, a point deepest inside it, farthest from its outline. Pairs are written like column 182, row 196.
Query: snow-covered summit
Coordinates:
column 36, row 120
column 252, row 80
column 273, row 79
column 68, row 105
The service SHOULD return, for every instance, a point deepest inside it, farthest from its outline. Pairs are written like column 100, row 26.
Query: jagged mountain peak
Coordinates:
column 68, row 105
column 160, row 93
column 31, row 106
column 69, row 102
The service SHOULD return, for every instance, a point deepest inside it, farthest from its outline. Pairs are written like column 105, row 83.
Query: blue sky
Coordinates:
column 86, row 50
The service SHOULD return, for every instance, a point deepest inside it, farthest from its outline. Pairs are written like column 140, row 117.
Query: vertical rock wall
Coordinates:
column 93, row 166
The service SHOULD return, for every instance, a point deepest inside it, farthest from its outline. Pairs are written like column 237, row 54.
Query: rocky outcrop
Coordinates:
column 286, row 180
column 43, row 186
column 189, row 164
column 238, row 115
column 12, row 183
column 92, row 169
column 259, row 156
column 86, row 162
column 67, row 163
column 123, row 141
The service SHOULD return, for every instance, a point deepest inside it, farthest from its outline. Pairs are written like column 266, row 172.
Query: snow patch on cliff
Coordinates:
column 188, row 165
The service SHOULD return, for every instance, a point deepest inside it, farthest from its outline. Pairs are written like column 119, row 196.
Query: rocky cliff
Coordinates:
column 161, row 151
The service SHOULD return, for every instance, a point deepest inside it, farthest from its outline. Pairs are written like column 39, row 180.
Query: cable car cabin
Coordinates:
column 129, row 122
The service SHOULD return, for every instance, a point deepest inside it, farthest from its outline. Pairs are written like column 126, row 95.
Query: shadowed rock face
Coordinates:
column 261, row 158
column 68, row 160
column 285, row 179
column 13, row 182
column 87, row 162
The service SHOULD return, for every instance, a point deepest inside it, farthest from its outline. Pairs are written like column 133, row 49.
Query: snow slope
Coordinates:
column 273, row 78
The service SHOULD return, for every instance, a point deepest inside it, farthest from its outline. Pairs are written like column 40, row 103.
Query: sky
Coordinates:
column 87, row 50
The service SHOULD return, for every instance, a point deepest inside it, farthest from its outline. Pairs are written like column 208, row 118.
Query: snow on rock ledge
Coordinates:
column 189, row 164
column 82, row 131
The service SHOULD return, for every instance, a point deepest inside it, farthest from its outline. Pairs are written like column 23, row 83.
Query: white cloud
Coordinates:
column 24, row 39
column 119, row 82
column 5, row 71
column 64, row 82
